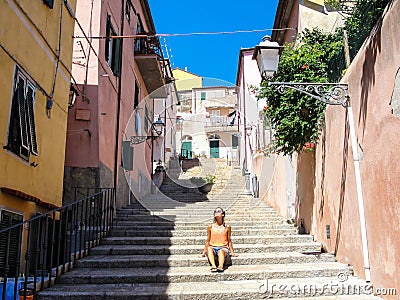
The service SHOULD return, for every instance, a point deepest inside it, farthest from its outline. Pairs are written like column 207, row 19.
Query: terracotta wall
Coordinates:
column 371, row 78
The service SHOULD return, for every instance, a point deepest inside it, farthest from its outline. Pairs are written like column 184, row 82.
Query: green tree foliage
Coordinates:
column 296, row 118
column 315, row 57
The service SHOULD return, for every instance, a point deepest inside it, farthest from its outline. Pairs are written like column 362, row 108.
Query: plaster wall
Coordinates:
column 313, row 14
column 371, row 79
column 37, row 28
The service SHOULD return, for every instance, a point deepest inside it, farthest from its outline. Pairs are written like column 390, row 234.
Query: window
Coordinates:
column 139, row 42
column 136, row 99
column 8, row 219
column 127, row 156
column 146, row 119
column 113, row 49
column 235, row 141
column 128, row 6
column 22, row 131
column 215, row 117
column 49, row 3
column 203, row 95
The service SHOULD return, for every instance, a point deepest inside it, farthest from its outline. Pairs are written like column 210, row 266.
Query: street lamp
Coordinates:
column 332, row 94
column 73, row 93
column 156, row 127
column 267, row 56
column 249, row 128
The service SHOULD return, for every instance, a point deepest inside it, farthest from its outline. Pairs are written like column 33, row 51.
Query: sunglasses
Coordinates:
column 218, row 211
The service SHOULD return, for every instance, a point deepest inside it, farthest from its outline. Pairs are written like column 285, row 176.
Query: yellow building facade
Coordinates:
column 36, row 58
column 185, row 80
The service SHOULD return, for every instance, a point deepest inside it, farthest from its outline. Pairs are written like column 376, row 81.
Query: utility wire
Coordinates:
column 184, row 34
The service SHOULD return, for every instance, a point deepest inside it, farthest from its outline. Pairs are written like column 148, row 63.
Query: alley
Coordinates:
column 150, row 257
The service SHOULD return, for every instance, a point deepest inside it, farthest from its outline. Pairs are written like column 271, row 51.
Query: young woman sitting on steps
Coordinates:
column 219, row 244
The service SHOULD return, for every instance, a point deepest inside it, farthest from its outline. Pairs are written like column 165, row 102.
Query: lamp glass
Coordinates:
column 72, row 98
column 158, row 126
column 267, row 60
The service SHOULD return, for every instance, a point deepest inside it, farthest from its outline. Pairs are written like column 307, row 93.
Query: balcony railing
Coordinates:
column 217, row 123
column 152, row 65
column 37, row 251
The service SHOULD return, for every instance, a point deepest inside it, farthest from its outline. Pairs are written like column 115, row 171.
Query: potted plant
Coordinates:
column 204, row 184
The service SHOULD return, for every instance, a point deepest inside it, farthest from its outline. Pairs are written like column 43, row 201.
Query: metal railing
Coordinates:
column 37, row 251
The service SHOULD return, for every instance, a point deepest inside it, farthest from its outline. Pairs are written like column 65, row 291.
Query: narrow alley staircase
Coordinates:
column 154, row 253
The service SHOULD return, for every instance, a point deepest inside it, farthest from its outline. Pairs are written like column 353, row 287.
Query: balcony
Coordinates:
column 221, row 124
column 151, row 63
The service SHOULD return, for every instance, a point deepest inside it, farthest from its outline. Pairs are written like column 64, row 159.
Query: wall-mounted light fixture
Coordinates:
column 73, row 93
column 267, row 56
column 248, row 128
column 156, row 128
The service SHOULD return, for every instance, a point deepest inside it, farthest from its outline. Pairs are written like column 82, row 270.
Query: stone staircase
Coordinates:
column 154, row 253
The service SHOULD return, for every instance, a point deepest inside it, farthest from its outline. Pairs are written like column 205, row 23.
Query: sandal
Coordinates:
column 220, row 270
column 213, row 270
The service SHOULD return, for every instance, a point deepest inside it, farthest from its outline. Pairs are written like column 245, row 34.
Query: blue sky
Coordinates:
column 214, row 56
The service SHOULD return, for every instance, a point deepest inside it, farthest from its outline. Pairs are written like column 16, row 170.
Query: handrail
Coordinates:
column 52, row 243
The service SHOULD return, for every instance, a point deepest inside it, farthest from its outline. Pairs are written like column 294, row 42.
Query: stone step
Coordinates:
column 326, row 287
column 202, row 273
column 165, row 224
column 194, row 260
column 121, row 247
column 122, row 231
column 200, row 240
column 129, row 212
column 231, row 219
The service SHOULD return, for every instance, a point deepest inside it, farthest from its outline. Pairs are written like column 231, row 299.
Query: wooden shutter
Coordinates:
column 117, row 57
column 108, row 41
column 8, row 219
column 30, row 96
column 22, row 116
column 127, row 155
column 49, row 3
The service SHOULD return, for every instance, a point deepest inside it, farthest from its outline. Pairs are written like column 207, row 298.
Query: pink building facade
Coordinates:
column 114, row 78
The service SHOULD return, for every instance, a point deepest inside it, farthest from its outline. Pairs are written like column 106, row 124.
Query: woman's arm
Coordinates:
column 207, row 242
column 230, row 245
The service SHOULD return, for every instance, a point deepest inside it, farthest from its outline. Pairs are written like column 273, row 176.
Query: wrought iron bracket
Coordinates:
column 135, row 140
column 329, row 93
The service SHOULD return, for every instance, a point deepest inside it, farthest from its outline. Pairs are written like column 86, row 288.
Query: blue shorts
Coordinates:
column 216, row 249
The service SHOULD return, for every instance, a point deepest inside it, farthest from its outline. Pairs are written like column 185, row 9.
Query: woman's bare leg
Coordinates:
column 221, row 258
column 211, row 257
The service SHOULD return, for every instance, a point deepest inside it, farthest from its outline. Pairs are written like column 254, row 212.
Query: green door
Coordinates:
column 186, row 150
column 214, row 149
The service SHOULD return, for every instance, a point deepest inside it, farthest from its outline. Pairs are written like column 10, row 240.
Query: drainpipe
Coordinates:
column 246, row 164
column 165, row 127
column 244, row 116
column 119, row 100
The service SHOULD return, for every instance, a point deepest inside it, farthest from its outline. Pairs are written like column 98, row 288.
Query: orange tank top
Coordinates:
column 219, row 235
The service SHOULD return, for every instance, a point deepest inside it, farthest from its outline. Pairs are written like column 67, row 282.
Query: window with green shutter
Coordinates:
column 235, row 141
column 49, row 3
column 203, row 96
column 113, row 49
column 10, row 242
column 22, row 130
column 127, row 155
